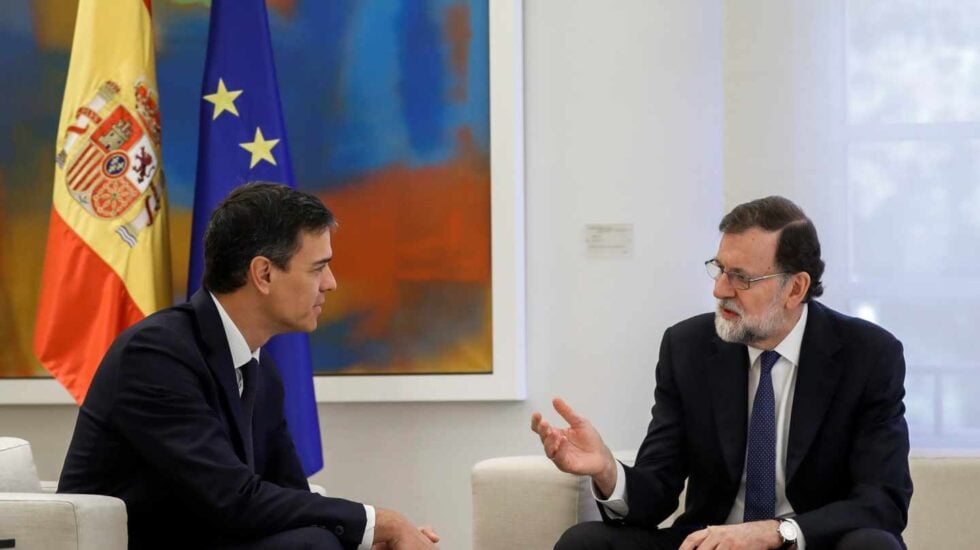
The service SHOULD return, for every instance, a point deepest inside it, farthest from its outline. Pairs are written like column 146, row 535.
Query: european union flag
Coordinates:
column 243, row 138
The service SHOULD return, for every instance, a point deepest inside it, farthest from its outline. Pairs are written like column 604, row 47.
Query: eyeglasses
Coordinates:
column 738, row 280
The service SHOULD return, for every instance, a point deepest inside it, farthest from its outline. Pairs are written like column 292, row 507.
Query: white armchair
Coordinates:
column 32, row 516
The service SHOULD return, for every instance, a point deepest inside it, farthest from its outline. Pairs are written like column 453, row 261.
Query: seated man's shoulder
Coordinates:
column 173, row 327
column 697, row 327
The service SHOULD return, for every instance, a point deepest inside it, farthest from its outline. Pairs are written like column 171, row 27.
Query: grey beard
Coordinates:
column 744, row 331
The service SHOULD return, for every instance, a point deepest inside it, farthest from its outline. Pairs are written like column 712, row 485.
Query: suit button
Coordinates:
column 339, row 530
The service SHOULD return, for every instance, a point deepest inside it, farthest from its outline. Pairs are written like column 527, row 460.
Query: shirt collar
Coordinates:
column 240, row 354
column 789, row 348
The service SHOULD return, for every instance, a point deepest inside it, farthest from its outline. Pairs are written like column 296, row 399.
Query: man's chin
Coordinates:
column 729, row 331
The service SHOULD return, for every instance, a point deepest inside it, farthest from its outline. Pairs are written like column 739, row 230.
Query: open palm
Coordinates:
column 577, row 449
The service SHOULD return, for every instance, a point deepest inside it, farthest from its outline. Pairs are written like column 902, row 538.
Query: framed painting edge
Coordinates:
column 507, row 381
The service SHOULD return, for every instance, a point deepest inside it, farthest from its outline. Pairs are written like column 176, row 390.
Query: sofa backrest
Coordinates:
column 944, row 512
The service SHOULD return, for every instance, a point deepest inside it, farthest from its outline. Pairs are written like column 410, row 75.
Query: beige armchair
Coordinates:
column 32, row 516
column 525, row 502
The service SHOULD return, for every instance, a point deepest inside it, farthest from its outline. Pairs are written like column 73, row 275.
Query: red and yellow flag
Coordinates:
column 107, row 263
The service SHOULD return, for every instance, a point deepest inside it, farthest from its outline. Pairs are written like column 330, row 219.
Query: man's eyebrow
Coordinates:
column 322, row 262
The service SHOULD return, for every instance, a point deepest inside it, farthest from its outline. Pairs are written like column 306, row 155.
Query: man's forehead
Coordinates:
column 314, row 244
column 752, row 248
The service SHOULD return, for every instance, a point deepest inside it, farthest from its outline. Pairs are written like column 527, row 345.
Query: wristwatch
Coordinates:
column 789, row 532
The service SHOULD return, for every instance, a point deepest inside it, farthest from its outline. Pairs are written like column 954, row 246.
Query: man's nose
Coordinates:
column 328, row 282
column 723, row 287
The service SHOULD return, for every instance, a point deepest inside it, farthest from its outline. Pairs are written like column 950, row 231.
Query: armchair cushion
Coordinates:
column 17, row 471
column 78, row 522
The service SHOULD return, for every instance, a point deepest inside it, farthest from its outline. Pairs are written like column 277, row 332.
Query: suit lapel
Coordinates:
column 816, row 381
column 218, row 357
column 728, row 379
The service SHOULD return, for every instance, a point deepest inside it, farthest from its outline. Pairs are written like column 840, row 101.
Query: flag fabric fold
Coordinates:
column 243, row 138
column 107, row 258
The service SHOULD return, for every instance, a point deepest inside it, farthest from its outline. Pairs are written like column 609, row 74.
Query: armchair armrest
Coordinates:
column 523, row 502
column 82, row 522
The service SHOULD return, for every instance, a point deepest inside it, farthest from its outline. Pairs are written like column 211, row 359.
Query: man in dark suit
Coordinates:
column 184, row 419
column 784, row 417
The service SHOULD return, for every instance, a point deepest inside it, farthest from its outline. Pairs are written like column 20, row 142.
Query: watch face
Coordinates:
column 788, row 531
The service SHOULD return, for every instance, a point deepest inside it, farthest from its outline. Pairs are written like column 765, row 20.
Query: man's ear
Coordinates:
column 799, row 286
column 260, row 274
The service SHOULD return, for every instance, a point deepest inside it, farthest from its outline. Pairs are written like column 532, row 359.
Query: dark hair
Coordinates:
column 798, row 248
column 258, row 219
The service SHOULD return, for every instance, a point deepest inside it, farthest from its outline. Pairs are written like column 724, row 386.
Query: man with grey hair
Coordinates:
column 784, row 417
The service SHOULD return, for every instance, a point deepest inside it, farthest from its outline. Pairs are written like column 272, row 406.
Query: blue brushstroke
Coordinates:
column 334, row 346
column 186, row 37
column 423, row 81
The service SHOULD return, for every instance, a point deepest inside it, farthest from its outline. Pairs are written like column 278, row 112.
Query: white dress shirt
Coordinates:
column 241, row 355
column 784, row 386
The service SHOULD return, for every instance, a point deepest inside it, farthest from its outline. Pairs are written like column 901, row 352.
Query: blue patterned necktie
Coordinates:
column 760, row 460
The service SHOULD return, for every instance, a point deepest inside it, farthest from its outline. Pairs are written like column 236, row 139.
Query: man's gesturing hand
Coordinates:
column 577, row 449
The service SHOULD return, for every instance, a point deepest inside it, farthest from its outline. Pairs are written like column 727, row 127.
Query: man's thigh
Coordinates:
column 595, row 535
column 306, row 538
column 869, row 539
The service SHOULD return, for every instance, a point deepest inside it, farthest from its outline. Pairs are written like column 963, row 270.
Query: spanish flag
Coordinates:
column 107, row 263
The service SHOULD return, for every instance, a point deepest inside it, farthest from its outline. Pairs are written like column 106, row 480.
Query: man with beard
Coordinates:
column 784, row 417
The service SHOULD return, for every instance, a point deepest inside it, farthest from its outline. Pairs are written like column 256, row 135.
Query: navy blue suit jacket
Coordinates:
column 847, row 455
column 162, row 428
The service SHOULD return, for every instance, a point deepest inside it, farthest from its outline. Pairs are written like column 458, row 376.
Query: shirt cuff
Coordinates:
column 616, row 505
column 800, row 541
column 368, row 540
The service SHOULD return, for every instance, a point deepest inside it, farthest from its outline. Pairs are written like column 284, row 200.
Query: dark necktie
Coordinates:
column 248, row 404
column 760, row 460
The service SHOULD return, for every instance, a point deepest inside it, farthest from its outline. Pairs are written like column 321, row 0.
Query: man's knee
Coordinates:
column 869, row 539
column 306, row 538
column 592, row 535
column 314, row 538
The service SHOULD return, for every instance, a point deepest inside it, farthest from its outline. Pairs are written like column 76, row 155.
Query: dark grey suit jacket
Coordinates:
column 162, row 428
column 847, row 456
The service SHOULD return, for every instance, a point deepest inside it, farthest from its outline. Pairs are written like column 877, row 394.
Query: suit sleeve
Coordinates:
column 161, row 408
column 881, row 486
column 654, row 483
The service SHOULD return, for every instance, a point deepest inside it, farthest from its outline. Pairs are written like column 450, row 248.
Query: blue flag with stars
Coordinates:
column 243, row 138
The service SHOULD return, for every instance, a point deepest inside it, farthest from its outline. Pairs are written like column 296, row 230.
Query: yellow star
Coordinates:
column 260, row 148
column 223, row 99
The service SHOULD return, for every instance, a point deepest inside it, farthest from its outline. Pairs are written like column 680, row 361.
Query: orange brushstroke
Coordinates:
column 407, row 225
column 54, row 23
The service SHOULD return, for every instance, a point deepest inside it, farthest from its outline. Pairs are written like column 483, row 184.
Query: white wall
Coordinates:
column 623, row 112
column 783, row 97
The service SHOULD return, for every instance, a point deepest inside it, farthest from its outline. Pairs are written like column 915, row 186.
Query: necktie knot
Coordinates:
column 248, row 378
column 768, row 360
